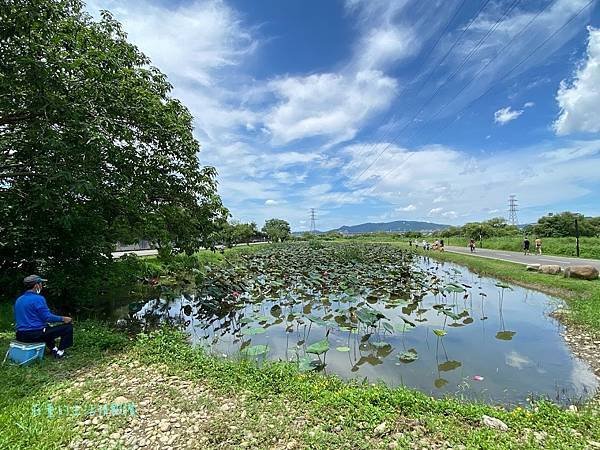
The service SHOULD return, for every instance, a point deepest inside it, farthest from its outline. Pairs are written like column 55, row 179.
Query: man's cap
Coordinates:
column 33, row 279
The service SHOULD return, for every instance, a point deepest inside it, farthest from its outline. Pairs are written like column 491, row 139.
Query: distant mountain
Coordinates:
column 396, row 226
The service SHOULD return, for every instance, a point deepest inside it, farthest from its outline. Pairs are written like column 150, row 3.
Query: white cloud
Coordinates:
column 200, row 46
column 408, row 208
column 450, row 214
column 529, row 105
column 187, row 41
column 505, row 115
column 271, row 202
column 205, row 47
column 424, row 174
column 328, row 104
column 579, row 100
column 382, row 47
column 515, row 359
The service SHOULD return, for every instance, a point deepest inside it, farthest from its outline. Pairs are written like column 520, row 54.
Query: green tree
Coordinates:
column 277, row 230
column 235, row 232
column 93, row 149
column 245, row 232
column 563, row 224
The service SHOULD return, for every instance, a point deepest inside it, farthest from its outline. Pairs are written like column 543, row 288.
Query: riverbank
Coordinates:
column 174, row 396
column 581, row 318
column 589, row 247
column 582, row 297
column 155, row 391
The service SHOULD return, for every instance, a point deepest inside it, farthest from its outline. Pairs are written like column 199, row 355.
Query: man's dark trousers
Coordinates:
column 49, row 336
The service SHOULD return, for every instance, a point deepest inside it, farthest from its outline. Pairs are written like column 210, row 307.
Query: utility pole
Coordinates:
column 577, row 237
column 313, row 220
column 512, row 210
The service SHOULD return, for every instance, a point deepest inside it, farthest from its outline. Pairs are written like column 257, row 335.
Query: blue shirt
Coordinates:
column 32, row 313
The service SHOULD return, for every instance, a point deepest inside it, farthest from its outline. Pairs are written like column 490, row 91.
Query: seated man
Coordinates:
column 32, row 317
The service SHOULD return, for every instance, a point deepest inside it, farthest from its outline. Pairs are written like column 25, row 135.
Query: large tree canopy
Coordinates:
column 277, row 229
column 93, row 149
column 563, row 224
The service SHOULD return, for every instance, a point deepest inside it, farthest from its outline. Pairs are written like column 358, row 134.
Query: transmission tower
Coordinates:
column 313, row 221
column 512, row 210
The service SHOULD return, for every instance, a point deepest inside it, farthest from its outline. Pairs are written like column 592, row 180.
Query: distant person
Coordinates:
column 526, row 245
column 472, row 245
column 424, row 244
column 538, row 246
column 32, row 317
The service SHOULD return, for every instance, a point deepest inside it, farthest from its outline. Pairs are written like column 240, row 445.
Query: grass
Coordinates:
column 565, row 246
column 327, row 402
column 583, row 297
column 23, row 388
column 312, row 410
column 273, row 400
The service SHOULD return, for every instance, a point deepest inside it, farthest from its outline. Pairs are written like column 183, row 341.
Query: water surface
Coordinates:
column 496, row 344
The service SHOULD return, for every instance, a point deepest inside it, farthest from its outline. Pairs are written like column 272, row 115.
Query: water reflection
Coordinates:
column 453, row 332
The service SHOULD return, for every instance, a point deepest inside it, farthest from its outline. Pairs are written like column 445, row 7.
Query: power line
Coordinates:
column 431, row 97
column 428, row 78
column 391, row 116
column 493, row 59
column 520, row 63
column 508, row 44
column 456, row 41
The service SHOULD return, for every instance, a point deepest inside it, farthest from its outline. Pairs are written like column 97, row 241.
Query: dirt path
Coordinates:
column 171, row 412
column 175, row 413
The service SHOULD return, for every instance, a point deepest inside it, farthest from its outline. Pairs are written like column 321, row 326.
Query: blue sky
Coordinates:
column 375, row 111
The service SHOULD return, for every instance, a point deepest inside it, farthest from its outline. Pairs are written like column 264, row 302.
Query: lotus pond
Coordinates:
column 382, row 314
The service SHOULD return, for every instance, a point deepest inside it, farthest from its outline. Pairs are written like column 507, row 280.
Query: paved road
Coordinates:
column 520, row 258
column 152, row 252
column 117, row 255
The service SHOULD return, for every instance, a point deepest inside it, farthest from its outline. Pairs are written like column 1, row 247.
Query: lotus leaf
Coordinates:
column 318, row 348
column 255, row 350
column 408, row 356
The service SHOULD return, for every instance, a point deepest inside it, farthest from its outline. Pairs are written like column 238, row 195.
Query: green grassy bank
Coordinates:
column 589, row 247
column 25, row 388
column 272, row 402
column 582, row 297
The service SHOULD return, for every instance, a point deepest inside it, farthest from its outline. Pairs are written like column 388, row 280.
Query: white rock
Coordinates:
column 493, row 422
column 380, row 429
column 121, row 400
column 550, row 269
column 540, row 435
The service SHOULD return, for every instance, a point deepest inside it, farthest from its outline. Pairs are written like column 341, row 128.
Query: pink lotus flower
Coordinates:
column 477, row 378
column 235, row 294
